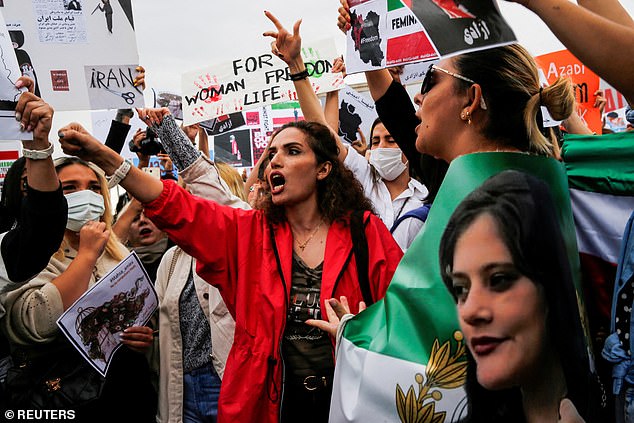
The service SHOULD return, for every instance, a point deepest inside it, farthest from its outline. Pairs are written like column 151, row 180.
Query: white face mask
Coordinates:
column 388, row 162
column 83, row 206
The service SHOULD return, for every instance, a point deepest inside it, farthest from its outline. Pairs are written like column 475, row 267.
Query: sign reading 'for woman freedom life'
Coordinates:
column 253, row 81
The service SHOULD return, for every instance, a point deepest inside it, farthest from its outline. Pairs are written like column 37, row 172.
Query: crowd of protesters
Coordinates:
column 254, row 276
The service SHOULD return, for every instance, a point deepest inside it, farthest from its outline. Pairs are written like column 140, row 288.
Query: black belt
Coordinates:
column 311, row 383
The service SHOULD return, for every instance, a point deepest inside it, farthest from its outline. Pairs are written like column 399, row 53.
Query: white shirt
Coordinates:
column 387, row 209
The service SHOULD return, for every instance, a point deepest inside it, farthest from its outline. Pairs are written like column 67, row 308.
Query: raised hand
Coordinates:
column 35, row 115
column 76, row 141
column 343, row 20
column 153, row 116
column 286, row 46
column 93, row 238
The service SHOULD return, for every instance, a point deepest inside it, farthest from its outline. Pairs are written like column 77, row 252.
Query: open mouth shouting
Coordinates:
column 277, row 182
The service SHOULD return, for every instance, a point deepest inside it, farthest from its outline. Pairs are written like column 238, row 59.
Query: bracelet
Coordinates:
column 38, row 154
column 119, row 174
column 299, row 75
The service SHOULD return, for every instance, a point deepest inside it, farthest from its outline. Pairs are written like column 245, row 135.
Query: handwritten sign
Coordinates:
column 387, row 33
column 253, row 81
column 125, row 297
column 113, row 87
column 563, row 63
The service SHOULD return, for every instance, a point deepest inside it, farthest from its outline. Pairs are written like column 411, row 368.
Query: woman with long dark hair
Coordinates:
column 275, row 267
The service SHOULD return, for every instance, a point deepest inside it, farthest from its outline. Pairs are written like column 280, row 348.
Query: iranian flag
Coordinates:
column 403, row 359
column 601, row 179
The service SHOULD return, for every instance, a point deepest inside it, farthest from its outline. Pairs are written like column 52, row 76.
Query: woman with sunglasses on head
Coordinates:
column 489, row 101
column 275, row 267
column 504, row 259
column 88, row 251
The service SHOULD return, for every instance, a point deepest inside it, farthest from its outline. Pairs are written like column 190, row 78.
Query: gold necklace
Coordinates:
column 303, row 245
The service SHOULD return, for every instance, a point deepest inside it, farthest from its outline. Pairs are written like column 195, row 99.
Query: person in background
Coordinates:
column 142, row 236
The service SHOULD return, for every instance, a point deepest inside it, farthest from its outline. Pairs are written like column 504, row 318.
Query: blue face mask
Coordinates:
column 83, row 206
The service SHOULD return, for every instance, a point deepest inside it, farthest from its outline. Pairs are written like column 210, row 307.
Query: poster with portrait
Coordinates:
column 387, row 33
column 82, row 53
column 123, row 298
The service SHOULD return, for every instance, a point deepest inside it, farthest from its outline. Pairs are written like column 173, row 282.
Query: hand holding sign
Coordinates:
column 343, row 20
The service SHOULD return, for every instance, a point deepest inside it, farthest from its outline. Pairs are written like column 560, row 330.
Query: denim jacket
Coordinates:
column 613, row 351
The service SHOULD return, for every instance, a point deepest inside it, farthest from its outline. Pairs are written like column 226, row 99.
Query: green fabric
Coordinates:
column 418, row 308
column 394, row 5
column 600, row 163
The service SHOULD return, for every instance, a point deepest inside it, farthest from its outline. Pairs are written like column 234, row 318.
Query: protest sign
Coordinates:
column 253, row 81
column 356, row 112
column 78, row 52
column 172, row 101
column 9, row 94
column 563, row 63
column 112, row 87
column 123, row 298
column 244, row 146
column 9, row 153
column 387, row 33
column 224, row 123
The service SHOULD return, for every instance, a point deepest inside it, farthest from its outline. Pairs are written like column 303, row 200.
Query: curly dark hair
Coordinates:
column 339, row 193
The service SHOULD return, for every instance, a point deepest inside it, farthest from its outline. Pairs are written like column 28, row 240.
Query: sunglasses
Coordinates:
column 427, row 85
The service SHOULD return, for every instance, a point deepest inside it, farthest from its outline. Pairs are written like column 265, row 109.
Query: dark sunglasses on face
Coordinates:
column 426, row 86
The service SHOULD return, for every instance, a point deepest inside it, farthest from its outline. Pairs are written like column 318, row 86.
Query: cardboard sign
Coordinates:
column 387, row 33
column 253, row 81
column 563, row 63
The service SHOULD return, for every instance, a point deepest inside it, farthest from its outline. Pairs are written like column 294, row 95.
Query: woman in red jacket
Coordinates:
column 275, row 267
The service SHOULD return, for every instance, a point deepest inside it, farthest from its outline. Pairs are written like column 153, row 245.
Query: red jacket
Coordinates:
column 236, row 253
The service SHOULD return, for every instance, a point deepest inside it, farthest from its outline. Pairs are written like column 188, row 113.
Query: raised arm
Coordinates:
column 609, row 9
column 604, row 46
column 27, row 248
column 76, row 141
column 287, row 47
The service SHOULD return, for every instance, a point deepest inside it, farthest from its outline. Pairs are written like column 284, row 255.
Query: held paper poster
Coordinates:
column 253, row 81
column 387, row 33
column 123, row 298
column 9, row 94
column 81, row 53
